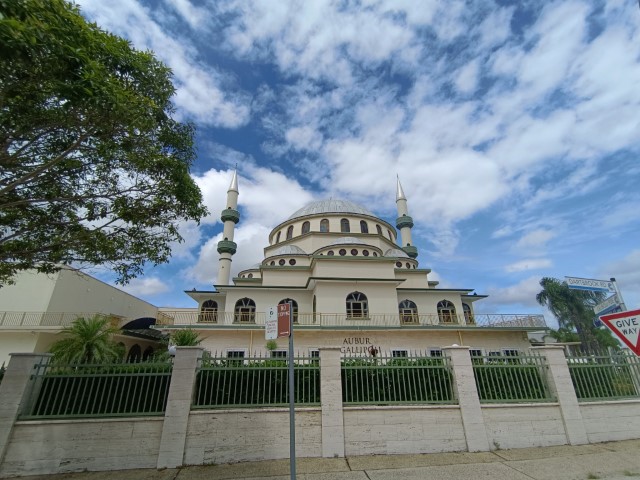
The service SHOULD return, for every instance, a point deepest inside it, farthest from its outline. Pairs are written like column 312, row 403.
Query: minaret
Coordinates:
column 404, row 222
column 227, row 247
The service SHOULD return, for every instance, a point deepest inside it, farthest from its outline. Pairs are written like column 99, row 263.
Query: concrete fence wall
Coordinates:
column 191, row 437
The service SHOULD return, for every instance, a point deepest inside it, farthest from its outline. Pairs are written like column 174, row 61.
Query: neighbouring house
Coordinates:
column 38, row 306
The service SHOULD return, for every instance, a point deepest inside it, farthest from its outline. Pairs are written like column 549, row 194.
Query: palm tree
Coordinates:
column 87, row 341
column 572, row 308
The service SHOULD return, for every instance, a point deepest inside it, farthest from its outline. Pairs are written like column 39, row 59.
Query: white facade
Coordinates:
column 351, row 285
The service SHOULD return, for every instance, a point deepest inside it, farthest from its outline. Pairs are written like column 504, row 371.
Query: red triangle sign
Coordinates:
column 626, row 325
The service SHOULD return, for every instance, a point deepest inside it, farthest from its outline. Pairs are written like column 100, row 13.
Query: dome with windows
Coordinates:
column 331, row 206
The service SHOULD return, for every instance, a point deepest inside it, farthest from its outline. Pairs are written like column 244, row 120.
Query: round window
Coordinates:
column 342, row 252
column 354, row 252
column 250, row 275
column 375, row 254
column 408, row 265
column 399, row 264
column 281, row 261
column 272, row 263
column 330, row 253
column 292, row 261
column 365, row 253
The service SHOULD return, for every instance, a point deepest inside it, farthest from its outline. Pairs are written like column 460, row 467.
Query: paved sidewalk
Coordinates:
column 606, row 461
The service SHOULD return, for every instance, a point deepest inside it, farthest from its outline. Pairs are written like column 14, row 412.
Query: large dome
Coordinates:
column 331, row 206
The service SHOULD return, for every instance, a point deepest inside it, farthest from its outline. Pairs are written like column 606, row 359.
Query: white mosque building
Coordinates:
column 351, row 282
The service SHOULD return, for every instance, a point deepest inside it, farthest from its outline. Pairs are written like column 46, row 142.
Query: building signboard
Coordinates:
column 591, row 284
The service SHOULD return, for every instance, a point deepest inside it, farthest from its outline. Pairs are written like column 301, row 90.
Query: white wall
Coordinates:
column 38, row 448
column 31, row 292
column 403, row 430
column 250, row 435
column 521, row 426
column 607, row 421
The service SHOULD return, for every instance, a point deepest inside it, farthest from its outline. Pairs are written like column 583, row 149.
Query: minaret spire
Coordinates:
column 404, row 222
column 229, row 216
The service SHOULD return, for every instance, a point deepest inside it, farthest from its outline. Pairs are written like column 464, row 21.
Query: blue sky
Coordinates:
column 514, row 128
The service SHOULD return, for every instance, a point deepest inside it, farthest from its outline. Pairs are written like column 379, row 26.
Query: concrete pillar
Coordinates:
column 331, row 400
column 559, row 381
column 15, row 390
column 176, row 417
column 464, row 384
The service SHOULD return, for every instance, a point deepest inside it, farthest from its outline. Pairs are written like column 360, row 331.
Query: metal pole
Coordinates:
column 615, row 286
column 292, row 412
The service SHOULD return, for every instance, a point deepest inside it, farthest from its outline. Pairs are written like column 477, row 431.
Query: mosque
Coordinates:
column 351, row 283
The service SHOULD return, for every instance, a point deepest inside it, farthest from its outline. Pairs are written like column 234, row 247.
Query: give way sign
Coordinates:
column 626, row 325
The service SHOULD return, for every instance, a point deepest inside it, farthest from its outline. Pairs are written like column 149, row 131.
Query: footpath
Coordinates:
column 606, row 461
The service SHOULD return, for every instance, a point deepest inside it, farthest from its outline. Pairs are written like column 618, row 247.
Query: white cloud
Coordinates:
column 145, row 286
column 522, row 294
column 201, row 91
column 626, row 271
column 467, row 77
column 528, row 264
column 535, row 240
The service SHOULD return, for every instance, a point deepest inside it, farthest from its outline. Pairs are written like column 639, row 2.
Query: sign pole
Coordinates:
column 615, row 285
column 292, row 411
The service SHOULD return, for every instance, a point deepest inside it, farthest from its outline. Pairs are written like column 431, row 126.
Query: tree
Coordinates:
column 185, row 337
column 574, row 311
column 94, row 169
column 88, row 341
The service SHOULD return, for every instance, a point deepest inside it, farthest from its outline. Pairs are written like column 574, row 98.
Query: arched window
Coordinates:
column 208, row 312
column 344, row 226
column 379, row 229
column 147, row 354
column 135, row 354
column 290, row 232
column 278, row 237
column 245, row 311
column 306, row 226
column 408, row 312
column 468, row 315
column 364, row 228
column 446, row 312
column 390, row 236
column 294, row 307
column 357, row 305
column 324, row 225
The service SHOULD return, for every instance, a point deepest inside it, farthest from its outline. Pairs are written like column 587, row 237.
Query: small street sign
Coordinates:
column 284, row 321
column 626, row 325
column 271, row 324
column 591, row 284
column 610, row 305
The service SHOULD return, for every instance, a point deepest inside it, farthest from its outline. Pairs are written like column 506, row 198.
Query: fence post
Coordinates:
column 176, row 417
column 14, row 391
column 331, row 401
column 559, row 380
column 464, row 384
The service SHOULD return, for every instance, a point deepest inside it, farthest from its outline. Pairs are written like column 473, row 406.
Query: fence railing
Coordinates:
column 48, row 319
column 518, row 378
column 223, row 382
column 390, row 380
column 63, row 391
column 605, row 376
column 186, row 317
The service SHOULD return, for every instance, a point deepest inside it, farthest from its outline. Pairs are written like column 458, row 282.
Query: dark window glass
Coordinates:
column 364, row 228
column 344, row 226
column 306, row 226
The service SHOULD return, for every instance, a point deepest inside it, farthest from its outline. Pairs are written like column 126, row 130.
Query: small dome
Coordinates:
column 288, row 250
column 395, row 252
column 331, row 206
column 348, row 241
